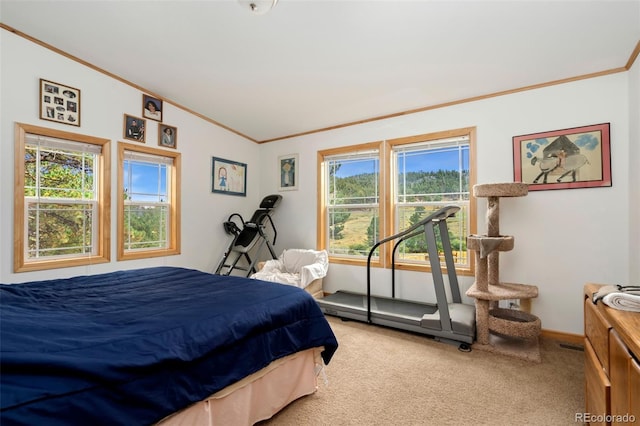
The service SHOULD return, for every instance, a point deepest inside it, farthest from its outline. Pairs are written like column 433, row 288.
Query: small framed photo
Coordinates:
column 59, row 103
column 579, row 157
column 167, row 136
column 134, row 128
column 228, row 177
column 288, row 172
column 151, row 108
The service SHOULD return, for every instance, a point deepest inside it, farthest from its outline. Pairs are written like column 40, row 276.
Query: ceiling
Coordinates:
column 309, row 65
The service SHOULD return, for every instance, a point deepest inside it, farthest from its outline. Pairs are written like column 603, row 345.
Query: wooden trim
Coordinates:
column 457, row 102
column 321, row 221
column 174, row 226
column 473, row 212
column 103, row 241
column 633, row 57
column 574, row 339
column 18, row 197
column 386, row 222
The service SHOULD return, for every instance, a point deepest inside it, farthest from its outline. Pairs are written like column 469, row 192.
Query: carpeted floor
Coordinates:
column 381, row 376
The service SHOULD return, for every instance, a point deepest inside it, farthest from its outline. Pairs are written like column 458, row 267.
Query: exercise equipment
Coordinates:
column 248, row 236
column 449, row 322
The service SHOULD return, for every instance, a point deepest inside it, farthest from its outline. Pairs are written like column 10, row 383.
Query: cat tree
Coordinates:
column 506, row 331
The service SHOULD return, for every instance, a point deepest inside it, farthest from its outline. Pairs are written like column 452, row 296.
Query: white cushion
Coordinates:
column 297, row 267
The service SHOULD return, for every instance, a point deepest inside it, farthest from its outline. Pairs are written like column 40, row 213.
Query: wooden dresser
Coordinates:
column 612, row 363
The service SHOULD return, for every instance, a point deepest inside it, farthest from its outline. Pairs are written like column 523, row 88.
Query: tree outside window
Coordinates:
column 60, row 210
column 148, row 202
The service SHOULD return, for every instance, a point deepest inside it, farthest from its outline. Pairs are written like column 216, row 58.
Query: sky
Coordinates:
column 444, row 159
column 145, row 182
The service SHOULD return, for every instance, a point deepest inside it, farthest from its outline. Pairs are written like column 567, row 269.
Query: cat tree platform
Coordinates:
column 501, row 190
column 503, row 291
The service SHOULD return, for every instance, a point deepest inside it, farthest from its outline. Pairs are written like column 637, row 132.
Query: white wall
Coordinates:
column 563, row 238
column 634, row 174
column 103, row 103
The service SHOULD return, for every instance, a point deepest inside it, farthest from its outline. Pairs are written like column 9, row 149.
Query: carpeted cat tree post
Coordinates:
column 505, row 331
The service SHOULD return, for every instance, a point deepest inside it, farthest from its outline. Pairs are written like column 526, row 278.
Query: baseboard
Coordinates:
column 574, row 339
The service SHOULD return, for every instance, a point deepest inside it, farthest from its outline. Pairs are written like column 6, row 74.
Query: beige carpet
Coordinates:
column 380, row 376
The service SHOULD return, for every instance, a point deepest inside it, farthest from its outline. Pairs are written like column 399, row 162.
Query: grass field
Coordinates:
column 355, row 235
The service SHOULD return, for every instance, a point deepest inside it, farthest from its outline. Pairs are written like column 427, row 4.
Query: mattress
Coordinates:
column 132, row 347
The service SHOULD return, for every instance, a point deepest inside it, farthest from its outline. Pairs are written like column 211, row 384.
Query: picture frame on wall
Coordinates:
column 59, row 103
column 167, row 136
column 228, row 177
column 134, row 128
column 151, row 108
column 288, row 172
column 578, row 157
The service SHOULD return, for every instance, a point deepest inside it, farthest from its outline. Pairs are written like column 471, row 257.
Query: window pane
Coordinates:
column 145, row 226
column 54, row 177
column 440, row 174
column 353, row 204
column 145, row 182
column 414, row 249
column 354, row 181
column 56, row 229
column 59, row 174
column 353, row 231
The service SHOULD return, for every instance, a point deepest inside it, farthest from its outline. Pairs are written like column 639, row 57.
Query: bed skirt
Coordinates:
column 256, row 397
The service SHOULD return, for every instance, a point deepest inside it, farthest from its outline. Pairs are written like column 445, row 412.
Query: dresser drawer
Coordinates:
column 597, row 384
column 596, row 330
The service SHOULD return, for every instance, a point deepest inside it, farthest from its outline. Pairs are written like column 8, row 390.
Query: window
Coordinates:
column 371, row 191
column 148, row 202
column 61, row 213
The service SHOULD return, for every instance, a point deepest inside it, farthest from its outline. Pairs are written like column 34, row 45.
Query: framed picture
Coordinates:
column 167, row 136
column 59, row 103
column 151, row 108
column 578, row 157
column 228, row 177
column 288, row 172
column 134, row 128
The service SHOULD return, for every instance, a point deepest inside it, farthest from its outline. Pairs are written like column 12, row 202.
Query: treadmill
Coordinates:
column 451, row 322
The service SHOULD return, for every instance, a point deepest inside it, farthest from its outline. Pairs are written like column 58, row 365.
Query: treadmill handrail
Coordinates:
column 438, row 215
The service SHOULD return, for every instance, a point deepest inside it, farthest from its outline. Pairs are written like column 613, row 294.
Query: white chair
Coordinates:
column 299, row 267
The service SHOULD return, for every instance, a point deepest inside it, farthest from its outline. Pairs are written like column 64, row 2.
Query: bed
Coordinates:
column 155, row 345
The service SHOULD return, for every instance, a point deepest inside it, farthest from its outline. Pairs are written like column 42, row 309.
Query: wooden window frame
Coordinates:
column 173, row 247
column 387, row 205
column 102, row 239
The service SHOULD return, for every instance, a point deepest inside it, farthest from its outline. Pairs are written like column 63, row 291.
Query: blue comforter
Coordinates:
column 131, row 347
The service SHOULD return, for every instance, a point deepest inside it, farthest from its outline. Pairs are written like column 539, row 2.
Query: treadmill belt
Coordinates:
column 401, row 307
column 381, row 304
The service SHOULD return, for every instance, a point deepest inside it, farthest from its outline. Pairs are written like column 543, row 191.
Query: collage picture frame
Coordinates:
column 59, row 103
